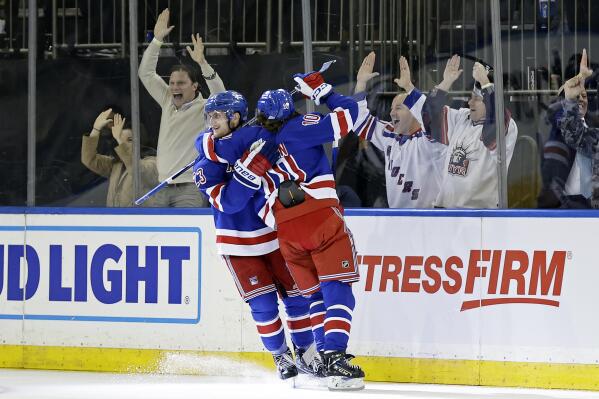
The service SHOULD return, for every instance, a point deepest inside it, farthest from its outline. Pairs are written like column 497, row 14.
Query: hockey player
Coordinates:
column 314, row 239
column 470, row 170
column 248, row 247
column 414, row 161
column 302, row 202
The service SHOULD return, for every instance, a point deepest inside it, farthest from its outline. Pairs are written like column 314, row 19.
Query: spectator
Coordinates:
column 118, row 168
column 360, row 174
column 182, row 115
column 413, row 161
column 566, row 172
column 470, row 169
column 578, row 135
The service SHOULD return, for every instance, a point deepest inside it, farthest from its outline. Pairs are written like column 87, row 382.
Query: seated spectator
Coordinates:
column 578, row 135
column 413, row 161
column 566, row 172
column 470, row 170
column 117, row 168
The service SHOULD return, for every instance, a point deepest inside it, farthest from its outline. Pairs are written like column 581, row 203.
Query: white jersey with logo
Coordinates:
column 413, row 164
column 470, row 169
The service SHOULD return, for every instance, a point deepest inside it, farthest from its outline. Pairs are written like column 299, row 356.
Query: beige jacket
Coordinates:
column 178, row 127
column 120, row 180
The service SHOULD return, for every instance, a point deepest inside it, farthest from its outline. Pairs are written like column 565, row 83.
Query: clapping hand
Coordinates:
column 102, row 121
column 117, row 128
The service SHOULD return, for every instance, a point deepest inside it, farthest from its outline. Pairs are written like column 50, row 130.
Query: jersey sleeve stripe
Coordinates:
column 342, row 123
column 214, row 196
column 209, row 151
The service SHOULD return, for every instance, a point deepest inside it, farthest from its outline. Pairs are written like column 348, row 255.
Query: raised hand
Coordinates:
column 117, row 128
column 451, row 73
column 197, row 54
column 585, row 71
column 405, row 76
column 161, row 29
column 574, row 87
column 312, row 85
column 480, row 73
column 365, row 72
column 102, row 121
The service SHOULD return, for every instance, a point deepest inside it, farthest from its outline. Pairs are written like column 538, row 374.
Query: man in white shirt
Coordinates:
column 182, row 115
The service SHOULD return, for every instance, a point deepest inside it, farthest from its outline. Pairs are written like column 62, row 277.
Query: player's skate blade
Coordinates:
column 343, row 375
column 339, row 383
column 285, row 365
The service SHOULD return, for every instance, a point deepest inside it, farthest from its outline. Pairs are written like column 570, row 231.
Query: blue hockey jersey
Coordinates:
column 239, row 230
column 303, row 157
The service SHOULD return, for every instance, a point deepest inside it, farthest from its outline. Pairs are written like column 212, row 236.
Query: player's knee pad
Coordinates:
column 264, row 307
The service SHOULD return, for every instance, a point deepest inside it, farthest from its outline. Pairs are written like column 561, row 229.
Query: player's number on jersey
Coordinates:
column 199, row 177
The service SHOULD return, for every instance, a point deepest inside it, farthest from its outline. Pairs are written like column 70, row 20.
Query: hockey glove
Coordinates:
column 256, row 162
column 312, row 85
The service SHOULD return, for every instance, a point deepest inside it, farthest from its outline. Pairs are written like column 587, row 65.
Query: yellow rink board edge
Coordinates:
column 387, row 369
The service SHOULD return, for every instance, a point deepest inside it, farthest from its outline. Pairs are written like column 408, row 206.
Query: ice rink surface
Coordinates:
column 34, row 384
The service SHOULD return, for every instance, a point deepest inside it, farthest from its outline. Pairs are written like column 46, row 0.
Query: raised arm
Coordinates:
column 100, row 164
column 365, row 73
column 405, row 76
column 576, row 133
column 480, row 75
column 437, row 99
column 332, row 126
column 155, row 85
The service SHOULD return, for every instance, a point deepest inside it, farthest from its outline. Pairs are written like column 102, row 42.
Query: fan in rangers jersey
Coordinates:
column 414, row 161
column 248, row 247
column 470, row 170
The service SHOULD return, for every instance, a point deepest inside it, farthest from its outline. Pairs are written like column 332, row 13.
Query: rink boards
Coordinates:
column 502, row 298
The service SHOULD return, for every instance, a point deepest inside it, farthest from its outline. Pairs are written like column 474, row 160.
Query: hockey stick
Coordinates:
column 178, row 173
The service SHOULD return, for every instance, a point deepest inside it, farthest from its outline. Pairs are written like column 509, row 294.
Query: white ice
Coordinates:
column 36, row 384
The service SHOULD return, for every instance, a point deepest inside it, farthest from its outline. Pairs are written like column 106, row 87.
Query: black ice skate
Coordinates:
column 308, row 361
column 285, row 366
column 341, row 374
